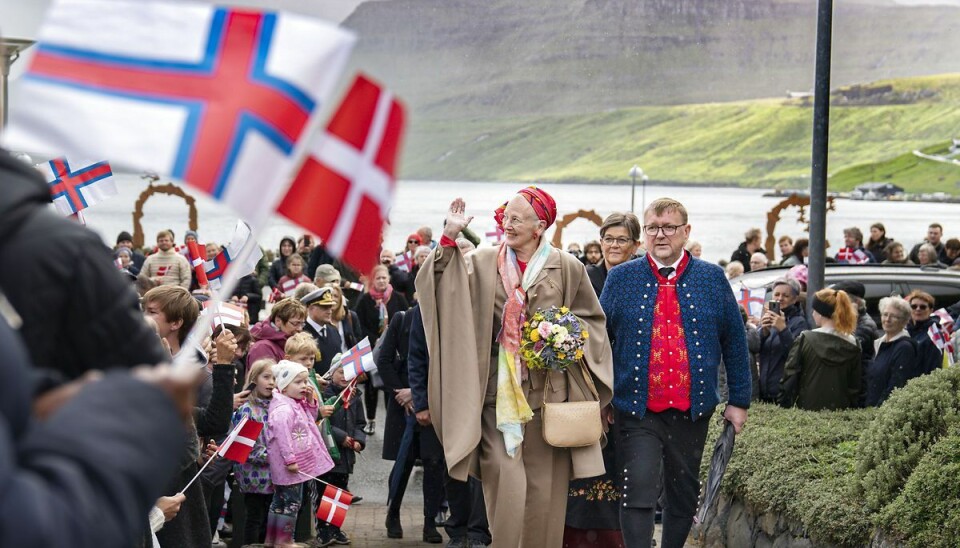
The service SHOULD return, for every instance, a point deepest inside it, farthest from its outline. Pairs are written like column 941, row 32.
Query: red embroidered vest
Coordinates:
column 669, row 367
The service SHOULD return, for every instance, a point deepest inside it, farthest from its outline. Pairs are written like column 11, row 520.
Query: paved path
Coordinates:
column 365, row 521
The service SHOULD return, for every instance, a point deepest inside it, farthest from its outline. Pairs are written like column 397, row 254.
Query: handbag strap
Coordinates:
column 590, row 387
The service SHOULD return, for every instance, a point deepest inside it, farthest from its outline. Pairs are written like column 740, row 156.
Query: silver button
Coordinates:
column 694, row 321
column 646, row 296
column 638, row 344
column 688, row 294
column 684, row 284
column 699, row 356
column 701, row 393
column 642, row 306
column 670, row 402
column 691, row 306
column 638, row 355
column 701, row 372
column 697, row 343
column 694, row 331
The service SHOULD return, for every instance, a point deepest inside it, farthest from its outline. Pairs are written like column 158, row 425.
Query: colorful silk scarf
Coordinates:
column 513, row 411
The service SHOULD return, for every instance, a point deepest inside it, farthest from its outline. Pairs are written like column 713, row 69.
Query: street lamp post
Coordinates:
column 10, row 49
column 635, row 172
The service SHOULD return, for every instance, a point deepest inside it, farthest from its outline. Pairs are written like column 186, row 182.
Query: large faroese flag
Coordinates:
column 217, row 97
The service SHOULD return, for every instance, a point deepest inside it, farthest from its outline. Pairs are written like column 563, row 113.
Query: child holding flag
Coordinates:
column 294, row 446
column 346, row 426
column 253, row 476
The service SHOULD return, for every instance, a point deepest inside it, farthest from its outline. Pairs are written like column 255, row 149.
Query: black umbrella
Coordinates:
column 718, row 465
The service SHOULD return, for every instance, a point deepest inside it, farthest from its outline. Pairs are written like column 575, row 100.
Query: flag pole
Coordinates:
column 189, row 483
column 353, row 382
column 321, row 481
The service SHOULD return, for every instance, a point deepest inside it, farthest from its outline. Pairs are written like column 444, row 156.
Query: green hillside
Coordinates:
column 907, row 170
column 751, row 143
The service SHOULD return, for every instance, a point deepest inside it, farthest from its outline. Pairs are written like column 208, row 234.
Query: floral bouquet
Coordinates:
column 553, row 339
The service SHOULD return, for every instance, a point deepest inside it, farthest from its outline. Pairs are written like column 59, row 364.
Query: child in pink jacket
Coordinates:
column 294, row 447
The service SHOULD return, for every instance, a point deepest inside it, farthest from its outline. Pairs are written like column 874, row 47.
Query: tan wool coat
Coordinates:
column 461, row 299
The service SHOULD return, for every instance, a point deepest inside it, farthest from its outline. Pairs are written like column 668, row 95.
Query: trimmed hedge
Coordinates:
column 842, row 475
column 800, row 464
column 908, row 424
column 927, row 512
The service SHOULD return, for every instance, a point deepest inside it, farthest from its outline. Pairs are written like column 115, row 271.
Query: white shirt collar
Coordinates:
column 676, row 263
column 317, row 326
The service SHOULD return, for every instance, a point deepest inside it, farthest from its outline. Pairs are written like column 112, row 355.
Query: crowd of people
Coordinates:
column 664, row 337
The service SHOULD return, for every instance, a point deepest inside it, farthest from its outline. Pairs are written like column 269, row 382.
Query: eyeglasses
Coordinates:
column 668, row 230
column 622, row 242
column 296, row 323
column 512, row 221
column 919, row 306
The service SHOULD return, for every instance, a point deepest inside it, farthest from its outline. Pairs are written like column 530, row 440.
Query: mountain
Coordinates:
column 454, row 59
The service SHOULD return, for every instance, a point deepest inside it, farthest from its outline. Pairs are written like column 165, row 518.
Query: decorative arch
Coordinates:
column 169, row 189
column 590, row 215
column 773, row 217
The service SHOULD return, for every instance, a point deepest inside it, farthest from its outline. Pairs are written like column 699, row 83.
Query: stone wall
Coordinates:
column 734, row 524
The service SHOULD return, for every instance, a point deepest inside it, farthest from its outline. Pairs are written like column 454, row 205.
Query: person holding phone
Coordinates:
column 782, row 321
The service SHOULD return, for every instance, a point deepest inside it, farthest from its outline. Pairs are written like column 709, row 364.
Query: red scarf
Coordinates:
column 382, row 299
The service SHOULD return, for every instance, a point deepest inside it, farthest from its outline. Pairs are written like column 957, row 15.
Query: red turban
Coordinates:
column 543, row 204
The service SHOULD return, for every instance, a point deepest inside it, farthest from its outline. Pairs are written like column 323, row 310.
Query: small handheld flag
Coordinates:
column 216, row 268
column 946, row 321
column 241, row 440
column 752, row 300
column 358, row 360
column 333, row 505
column 72, row 191
column 224, row 313
column 495, row 236
column 196, row 260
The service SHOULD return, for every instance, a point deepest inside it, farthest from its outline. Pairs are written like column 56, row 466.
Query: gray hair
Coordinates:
column 931, row 252
column 898, row 303
column 794, row 285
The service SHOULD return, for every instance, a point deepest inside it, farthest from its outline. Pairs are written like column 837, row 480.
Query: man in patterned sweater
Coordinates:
column 167, row 266
column 672, row 319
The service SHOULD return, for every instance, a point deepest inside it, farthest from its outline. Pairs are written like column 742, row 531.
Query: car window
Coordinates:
column 943, row 292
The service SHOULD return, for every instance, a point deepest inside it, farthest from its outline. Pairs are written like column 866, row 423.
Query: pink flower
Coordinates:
column 544, row 329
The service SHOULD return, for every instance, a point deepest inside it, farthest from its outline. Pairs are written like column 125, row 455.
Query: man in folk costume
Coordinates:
column 483, row 400
column 672, row 318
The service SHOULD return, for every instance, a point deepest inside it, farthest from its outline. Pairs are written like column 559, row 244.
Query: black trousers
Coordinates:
column 255, row 523
column 660, row 450
column 371, row 397
column 468, row 513
column 433, row 472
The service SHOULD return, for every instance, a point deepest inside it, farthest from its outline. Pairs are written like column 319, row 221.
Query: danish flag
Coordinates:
column 850, row 255
column 946, row 320
column 217, row 97
column 241, row 440
column 196, row 260
column 73, row 191
column 333, row 505
column 358, row 360
column 350, row 174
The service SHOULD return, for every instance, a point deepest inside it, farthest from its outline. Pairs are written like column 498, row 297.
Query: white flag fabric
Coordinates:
column 217, row 97
column 75, row 186
column 216, row 268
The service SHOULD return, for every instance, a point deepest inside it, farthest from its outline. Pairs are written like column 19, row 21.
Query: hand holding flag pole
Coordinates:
column 236, row 447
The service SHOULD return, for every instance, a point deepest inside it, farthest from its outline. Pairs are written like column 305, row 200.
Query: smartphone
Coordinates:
column 774, row 307
column 251, row 386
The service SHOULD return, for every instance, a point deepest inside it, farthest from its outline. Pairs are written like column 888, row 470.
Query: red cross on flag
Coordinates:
column 752, row 300
column 217, row 97
column 405, row 261
column 358, row 360
column 344, row 191
column 333, row 505
column 946, row 320
column 225, row 313
column 495, row 236
column 241, row 440
column 73, row 190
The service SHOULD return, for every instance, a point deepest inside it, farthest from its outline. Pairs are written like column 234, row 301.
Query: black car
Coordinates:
column 879, row 281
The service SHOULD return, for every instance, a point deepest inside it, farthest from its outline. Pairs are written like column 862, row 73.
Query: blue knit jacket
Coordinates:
column 712, row 325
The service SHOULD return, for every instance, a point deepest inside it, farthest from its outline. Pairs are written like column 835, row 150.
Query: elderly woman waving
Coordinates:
column 484, row 401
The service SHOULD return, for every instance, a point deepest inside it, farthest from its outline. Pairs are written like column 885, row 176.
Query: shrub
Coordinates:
column 906, row 426
column 926, row 512
column 800, row 464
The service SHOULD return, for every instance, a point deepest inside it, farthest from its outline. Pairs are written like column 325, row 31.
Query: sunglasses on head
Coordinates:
column 919, row 306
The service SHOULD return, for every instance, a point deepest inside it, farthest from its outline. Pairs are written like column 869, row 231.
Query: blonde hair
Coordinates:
column 339, row 309
column 256, row 370
column 844, row 313
column 301, row 343
column 661, row 205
